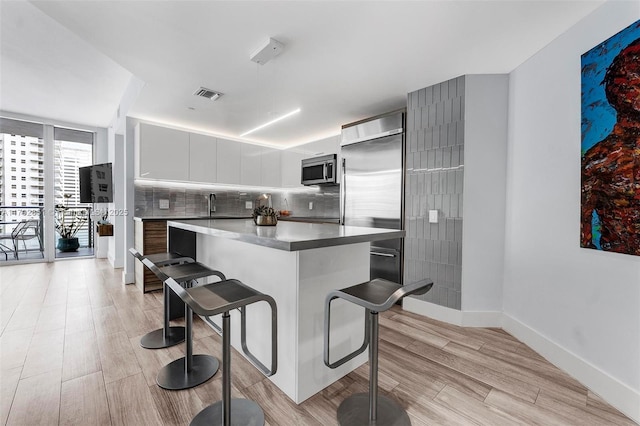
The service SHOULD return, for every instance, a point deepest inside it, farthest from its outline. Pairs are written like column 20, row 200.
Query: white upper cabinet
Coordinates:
column 250, row 164
column 162, row 153
column 228, row 161
column 203, row 158
column 271, row 167
column 291, row 167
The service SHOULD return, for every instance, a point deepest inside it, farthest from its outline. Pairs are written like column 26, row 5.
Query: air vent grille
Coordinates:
column 207, row 93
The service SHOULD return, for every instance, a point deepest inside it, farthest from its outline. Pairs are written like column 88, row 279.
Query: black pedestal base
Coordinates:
column 157, row 340
column 243, row 413
column 354, row 411
column 174, row 377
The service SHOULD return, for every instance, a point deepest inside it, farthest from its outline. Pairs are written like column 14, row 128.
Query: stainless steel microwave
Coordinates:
column 319, row 170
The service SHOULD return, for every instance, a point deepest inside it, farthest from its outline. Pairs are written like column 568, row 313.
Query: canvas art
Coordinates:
column 610, row 193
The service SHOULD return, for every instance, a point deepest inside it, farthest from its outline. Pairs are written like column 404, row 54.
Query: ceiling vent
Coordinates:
column 212, row 95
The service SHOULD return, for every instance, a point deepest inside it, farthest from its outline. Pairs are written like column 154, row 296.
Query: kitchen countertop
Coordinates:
column 309, row 219
column 149, row 218
column 287, row 235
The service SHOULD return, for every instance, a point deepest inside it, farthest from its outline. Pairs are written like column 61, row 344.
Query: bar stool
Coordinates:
column 166, row 336
column 375, row 296
column 190, row 370
column 220, row 298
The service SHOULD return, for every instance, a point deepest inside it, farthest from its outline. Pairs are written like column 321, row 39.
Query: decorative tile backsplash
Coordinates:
column 435, row 173
column 192, row 200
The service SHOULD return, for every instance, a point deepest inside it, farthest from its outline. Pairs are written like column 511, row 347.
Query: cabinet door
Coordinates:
column 271, row 167
column 250, row 164
column 291, row 168
column 228, row 161
column 202, row 158
column 163, row 153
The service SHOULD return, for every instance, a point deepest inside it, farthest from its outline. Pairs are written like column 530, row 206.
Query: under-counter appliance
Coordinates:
column 319, row 170
column 372, row 165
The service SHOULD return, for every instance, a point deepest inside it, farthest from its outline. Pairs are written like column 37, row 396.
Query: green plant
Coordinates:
column 264, row 211
column 69, row 220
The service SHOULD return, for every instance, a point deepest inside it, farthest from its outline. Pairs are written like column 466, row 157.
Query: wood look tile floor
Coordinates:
column 69, row 355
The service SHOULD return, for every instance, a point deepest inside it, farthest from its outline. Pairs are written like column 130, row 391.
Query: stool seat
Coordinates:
column 163, row 259
column 190, row 370
column 166, row 336
column 377, row 295
column 189, row 271
column 220, row 298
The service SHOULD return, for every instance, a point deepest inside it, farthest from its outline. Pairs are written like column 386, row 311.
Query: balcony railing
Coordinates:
column 79, row 213
column 10, row 216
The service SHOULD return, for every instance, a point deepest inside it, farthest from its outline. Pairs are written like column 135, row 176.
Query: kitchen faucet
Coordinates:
column 212, row 203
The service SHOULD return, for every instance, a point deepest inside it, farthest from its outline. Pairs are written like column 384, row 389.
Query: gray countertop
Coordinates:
column 289, row 236
column 150, row 218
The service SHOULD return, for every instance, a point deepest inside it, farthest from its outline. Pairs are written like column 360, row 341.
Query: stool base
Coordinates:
column 354, row 411
column 244, row 412
column 157, row 340
column 174, row 376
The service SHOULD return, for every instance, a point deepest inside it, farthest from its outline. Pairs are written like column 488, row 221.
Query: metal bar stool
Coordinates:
column 220, row 298
column 190, row 370
column 167, row 335
column 375, row 296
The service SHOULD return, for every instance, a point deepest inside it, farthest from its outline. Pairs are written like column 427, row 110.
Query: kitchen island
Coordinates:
column 297, row 264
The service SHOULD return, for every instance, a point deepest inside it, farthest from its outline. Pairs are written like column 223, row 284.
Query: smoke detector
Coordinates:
column 267, row 52
column 212, row 95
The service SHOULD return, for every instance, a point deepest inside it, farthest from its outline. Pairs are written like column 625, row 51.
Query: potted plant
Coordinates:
column 265, row 216
column 68, row 223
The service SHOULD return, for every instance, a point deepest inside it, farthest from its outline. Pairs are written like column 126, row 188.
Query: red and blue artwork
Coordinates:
column 610, row 190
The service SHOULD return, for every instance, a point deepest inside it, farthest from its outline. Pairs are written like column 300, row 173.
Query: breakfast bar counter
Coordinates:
column 297, row 264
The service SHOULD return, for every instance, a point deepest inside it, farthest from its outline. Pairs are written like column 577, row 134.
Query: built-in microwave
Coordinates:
column 319, row 170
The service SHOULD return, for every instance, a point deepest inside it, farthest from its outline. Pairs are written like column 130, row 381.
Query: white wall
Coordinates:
column 485, row 157
column 580, row 307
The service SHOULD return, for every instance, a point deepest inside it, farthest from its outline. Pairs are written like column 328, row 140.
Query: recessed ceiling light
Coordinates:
column 262, row 126
column 191, row 108
column 212, row 95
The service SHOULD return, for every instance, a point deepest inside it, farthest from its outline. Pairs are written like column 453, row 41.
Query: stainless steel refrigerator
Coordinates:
column 372, row 165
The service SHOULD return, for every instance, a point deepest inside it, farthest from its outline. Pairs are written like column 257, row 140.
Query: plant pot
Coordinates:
column 266, row 220
column 68, row 244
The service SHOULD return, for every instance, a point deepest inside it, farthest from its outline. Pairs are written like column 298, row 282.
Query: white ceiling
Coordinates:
column 342, row 61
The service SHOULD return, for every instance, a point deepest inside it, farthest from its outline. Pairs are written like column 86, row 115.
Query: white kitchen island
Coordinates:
column 297, row 264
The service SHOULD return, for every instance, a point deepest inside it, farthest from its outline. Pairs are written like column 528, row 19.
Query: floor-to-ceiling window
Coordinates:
column 72, row 149
column 40, row 162
column 22, row 190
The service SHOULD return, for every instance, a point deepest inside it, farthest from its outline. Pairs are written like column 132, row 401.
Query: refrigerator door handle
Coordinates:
column 376, row 253
column 343, row 188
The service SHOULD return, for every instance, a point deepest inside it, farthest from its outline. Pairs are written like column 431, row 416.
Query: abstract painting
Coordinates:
column 610, row 190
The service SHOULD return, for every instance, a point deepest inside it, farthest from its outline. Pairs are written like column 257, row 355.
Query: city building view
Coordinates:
column 22, row 191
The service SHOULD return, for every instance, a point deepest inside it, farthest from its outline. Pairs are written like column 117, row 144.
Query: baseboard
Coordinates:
column 616, row 393
column 431, row 310
column 128, row 277
column 453, row 316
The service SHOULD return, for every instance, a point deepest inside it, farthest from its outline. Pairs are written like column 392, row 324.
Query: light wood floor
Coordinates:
column 70, row 355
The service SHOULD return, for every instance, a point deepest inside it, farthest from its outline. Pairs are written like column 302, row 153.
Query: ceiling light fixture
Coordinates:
column 289, row 114
column 267, row 52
